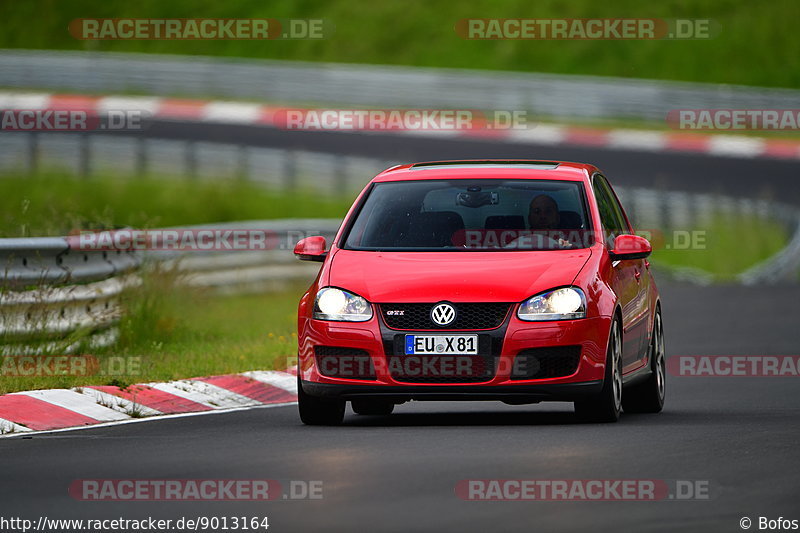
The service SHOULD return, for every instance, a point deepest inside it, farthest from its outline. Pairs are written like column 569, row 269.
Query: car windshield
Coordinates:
column 471, row 215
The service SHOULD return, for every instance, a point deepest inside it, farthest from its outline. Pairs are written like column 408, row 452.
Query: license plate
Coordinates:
column 441, row 344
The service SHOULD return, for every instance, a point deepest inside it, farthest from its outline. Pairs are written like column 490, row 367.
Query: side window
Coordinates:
column 617, row 206
column 610, row 213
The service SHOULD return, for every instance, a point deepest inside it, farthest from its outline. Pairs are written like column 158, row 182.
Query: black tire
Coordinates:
column 372, row 407
column 606, row 406
column 319, row 411
column 648, row 396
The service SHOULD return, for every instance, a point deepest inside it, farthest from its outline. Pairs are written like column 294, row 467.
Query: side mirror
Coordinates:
column 311, row 249
column 630, row 247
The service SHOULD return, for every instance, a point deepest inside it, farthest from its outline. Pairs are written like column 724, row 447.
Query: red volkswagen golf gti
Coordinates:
column 520, row 281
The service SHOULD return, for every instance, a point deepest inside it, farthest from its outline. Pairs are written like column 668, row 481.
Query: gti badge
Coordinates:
column 443, row 314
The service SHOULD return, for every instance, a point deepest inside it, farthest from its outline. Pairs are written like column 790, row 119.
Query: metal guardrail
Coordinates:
column 785, row 265
column 51, row 293
column 274, row 168
column 237, row 271
column 544, row 95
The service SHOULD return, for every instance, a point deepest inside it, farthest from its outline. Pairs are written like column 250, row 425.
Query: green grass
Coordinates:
column 757, row 43
column 729, row 246
column 172, row 333
column 55, row 204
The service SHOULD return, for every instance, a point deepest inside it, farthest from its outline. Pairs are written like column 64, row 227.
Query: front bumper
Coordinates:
column 521, row 393
column 506, row 342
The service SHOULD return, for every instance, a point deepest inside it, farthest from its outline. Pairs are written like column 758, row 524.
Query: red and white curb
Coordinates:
column 53, row 409
column 256, row 114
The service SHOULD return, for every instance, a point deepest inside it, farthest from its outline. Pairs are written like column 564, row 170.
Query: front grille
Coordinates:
column 343, row 362
column 417, row 316
column 542, row 363
column 443, row 368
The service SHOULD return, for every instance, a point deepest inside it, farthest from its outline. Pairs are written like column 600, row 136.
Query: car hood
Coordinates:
column 404, row 277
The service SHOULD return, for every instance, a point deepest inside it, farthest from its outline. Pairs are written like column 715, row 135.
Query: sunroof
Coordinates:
column 510, row 163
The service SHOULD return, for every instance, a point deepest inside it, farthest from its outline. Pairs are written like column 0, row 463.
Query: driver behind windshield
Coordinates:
column 544, row 220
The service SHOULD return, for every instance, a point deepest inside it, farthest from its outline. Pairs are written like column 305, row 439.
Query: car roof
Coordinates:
column 489, row 169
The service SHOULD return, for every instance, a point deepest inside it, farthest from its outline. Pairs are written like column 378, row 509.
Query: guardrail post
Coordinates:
column 141, row 156
column 33, row 153
column 664, row 210
column 84, row 155
column 340, row 176
column 191, row 159
column 242, row 163
column 290, row 169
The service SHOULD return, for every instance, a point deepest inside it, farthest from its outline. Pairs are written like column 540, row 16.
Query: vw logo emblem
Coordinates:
column 443, row 314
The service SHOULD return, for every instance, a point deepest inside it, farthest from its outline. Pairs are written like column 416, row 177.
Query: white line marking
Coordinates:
column 732, row 145
column 129, row 103
column 539, row 134
column 7, row 426
column 204, row 393
column 77, row 403
column 24, row 100
column 118, row 404
column 147, row 419
column 234, row 112
column 282, row 380
column 637, row 139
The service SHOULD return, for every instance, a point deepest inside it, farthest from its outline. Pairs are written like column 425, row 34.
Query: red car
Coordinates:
column 520, row 281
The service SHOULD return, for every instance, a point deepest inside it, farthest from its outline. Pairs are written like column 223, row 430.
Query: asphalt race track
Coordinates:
column 744, row 177
column 398, row 473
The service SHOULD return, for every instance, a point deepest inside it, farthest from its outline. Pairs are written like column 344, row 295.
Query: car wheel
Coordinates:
column 648, row 396
column 372, row 407
column 606, row 406
column 319, row 411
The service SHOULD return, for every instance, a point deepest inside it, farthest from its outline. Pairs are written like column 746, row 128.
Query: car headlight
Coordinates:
column 335, row 304
column 566, row 303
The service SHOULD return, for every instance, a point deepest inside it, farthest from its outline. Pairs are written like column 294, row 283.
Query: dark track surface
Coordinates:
column 398, row 473
column 753, row 178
